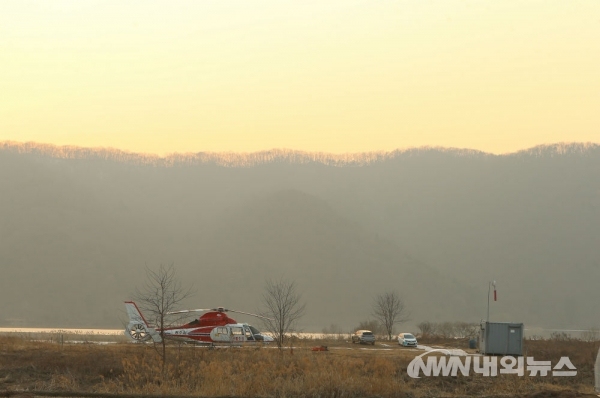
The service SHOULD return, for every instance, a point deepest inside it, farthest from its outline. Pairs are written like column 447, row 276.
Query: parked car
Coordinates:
column 407, row 340
column 363, row 337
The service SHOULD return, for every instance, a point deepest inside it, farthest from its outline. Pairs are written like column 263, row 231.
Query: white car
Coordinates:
column 407, row 340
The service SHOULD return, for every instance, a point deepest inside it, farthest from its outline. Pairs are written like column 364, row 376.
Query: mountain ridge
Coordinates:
column 75, row 235
column 239, row 159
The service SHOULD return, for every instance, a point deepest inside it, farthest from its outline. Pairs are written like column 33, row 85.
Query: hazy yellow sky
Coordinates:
column 334, row 76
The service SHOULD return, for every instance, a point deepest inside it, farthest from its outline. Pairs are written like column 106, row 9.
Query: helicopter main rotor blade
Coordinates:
column 248, row 313
column 186, row 311
column 218, row 309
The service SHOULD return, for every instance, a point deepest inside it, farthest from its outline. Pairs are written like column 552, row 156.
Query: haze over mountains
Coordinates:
column 78, row 226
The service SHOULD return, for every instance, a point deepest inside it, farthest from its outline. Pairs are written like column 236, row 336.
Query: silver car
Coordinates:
column 363, row 337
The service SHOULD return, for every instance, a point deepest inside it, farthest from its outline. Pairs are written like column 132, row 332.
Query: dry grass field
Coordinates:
column 29, row 368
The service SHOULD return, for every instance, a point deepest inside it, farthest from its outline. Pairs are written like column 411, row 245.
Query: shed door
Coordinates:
column 515, row 340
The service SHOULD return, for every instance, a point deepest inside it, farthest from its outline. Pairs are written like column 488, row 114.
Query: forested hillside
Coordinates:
column 78, row 226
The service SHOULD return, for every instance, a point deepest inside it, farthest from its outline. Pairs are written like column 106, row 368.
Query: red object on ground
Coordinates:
column 320, row 348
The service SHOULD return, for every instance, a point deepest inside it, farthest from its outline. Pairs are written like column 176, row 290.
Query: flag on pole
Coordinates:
column 495, row 296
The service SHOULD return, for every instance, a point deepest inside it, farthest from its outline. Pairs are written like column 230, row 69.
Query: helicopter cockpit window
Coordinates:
column 249, row 335
column 254, row 330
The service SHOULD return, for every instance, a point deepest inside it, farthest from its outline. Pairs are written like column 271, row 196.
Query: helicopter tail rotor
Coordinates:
column 137, row 332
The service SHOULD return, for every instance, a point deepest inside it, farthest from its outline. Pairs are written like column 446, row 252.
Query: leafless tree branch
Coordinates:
column 282, row 307
column 389, row 310
column 161, row 293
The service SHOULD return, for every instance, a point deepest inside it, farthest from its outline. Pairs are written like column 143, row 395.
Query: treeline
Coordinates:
column 225, row 159
column 448, row 329
column 591, row 335
column 341, row 334
column 235, row 159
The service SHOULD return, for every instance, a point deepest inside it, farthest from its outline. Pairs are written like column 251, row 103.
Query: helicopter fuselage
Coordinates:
column 212, row 327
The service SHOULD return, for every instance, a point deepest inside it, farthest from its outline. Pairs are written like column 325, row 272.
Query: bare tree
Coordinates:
column 465, row 329
column 389, row 310
column 161, row 293
column 372, row 325
column 446, row 329
column 282, row 308
column 334, row 330
column 427, row 328
column 449, row 329
column 593, row 334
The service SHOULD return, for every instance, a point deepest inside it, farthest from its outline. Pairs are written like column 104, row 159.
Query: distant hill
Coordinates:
column 79, row 225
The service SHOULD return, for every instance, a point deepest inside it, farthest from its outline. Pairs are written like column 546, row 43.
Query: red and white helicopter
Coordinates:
column 212, row 327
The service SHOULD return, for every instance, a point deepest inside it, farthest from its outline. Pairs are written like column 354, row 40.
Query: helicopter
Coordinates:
column 213, row 327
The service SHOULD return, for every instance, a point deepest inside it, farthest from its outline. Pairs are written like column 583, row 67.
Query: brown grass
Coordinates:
column 345, row 370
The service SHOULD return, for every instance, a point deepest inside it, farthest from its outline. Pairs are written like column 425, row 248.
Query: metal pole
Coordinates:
column 597, row 372
column 488, row 308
